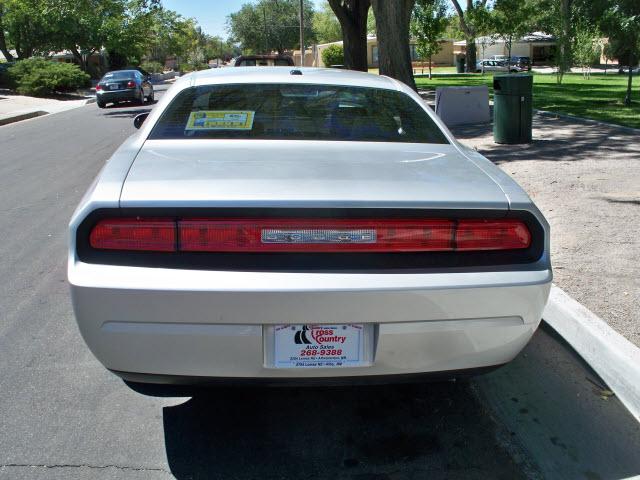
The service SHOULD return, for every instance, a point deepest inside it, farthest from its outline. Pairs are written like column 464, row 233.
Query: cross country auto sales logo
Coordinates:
column 319, row 335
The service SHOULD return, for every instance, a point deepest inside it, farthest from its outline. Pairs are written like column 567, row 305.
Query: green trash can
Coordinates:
column 460, row 64
column 512, row 108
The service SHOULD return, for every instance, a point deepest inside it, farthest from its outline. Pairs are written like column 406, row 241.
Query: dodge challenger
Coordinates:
column 303, row 225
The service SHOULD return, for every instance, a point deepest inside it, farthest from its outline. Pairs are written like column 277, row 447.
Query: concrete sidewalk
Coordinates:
column 14, row 108
column 585, row 177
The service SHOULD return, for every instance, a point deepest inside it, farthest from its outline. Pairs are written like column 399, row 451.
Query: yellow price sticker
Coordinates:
column 220, row 120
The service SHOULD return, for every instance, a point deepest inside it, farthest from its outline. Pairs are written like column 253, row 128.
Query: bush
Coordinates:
column 152, row 67
column 333, row 55
column 191, row 67
column 40, row 77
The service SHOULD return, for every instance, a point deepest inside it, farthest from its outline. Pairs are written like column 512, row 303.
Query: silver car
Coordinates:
column 497, row 66
column 288, row 225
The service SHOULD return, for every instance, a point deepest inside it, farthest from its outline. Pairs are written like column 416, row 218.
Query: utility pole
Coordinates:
column 302, row 33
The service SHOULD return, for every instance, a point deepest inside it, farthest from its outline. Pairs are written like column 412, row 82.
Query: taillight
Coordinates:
column 308, row 235
column 492, row 235
column 153, row 235
column 303, row 235
column 98, row 87
column 131, row 84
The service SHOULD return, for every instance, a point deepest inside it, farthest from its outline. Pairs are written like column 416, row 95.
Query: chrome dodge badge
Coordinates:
column 318, row 236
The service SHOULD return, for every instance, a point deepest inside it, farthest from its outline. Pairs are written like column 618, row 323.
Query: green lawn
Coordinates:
column 600, row 98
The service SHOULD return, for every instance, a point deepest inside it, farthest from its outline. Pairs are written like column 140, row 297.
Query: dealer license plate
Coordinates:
column 318, row 346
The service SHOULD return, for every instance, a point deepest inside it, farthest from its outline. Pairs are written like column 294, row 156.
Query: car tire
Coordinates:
column 140, row 101
column 101, row 104
column 150, row 98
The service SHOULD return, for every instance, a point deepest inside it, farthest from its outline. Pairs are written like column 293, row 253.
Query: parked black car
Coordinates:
column 124, row 86
column 523, row 62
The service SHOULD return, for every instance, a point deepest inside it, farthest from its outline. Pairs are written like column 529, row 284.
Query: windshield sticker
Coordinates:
column 220, row 120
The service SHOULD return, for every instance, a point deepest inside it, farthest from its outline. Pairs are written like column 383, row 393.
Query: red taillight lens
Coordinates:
column 303, row 235
column 154, row 235
column 492, row 235
column 98, row 87
column 131, row 84
column 308, row 235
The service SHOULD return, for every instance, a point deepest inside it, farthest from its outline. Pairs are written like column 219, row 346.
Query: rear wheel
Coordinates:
column 101, row 104
column 150, row 97
column 140, row 100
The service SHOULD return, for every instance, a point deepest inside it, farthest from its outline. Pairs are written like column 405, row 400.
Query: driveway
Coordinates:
column 585, row 177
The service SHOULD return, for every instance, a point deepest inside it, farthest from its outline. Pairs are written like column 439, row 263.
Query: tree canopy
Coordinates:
column 271, row 25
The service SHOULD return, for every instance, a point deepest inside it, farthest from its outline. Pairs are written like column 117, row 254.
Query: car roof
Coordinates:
column 307, row 75
column 122, row 71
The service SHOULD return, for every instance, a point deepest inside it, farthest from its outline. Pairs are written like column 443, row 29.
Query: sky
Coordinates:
column 210, row 14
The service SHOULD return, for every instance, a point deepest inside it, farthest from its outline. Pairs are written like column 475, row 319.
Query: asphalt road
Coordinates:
column 63, row 416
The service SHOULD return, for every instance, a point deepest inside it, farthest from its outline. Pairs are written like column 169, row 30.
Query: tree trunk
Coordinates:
column 564, row 50
column 627, row 98
column 78, row 57
column 3, row 43
column 392, row 21
column 430, row 67
column 471, row 55
column 352, row 15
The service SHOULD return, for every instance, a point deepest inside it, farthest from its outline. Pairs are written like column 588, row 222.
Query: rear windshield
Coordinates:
column 296, row 112
column 119, row 75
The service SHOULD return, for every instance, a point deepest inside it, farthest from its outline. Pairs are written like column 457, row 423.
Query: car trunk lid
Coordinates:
column 299, row 174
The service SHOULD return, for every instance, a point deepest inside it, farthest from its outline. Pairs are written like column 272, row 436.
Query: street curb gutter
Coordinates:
column 612, row 356
column 22, row 116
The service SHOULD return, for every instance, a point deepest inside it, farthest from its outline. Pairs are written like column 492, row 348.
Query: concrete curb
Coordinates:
column 547, row 113
column 612, row 356
column 21, row 116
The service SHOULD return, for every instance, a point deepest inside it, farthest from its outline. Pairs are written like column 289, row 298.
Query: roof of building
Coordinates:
column 533, row 37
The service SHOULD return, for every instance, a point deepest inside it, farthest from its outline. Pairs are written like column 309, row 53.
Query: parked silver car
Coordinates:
column 497, row 66
column 314, row 224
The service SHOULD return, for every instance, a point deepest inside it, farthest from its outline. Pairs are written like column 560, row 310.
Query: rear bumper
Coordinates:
column 186, row 323
column 118, row 95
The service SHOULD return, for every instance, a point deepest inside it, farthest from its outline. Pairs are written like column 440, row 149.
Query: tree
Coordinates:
column 392, row 22
column 26, row 27
column 428, row 24
column 326, row 25
column 557, row 17
column 586, row 47
column 170, row 34
column 3, row 40
column 333, row 55
column 353, row 16
column 510, row 21
column 621, row 22
column 269, row 25
column 472, row 20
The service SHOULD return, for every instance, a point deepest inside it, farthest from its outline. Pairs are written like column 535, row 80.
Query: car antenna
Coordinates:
column 296, row 72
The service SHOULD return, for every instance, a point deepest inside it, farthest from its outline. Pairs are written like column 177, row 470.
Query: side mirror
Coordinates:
column 139, row 119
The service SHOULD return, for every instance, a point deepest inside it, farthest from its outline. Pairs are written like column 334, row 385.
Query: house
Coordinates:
column 538, row 46
column 313, row 57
